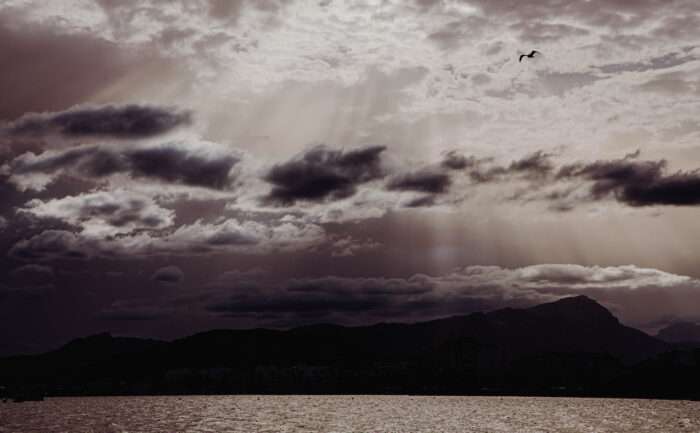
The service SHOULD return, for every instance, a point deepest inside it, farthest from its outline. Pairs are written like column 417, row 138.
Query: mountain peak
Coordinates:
column 575, row 308
column 580, row 299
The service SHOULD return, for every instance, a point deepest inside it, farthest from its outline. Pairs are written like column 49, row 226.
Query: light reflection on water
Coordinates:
column 365, row 414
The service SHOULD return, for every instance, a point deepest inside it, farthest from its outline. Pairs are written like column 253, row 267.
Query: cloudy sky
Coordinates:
column 168, row 167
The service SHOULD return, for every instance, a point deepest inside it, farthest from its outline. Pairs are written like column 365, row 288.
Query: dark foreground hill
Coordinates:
column 570, row 347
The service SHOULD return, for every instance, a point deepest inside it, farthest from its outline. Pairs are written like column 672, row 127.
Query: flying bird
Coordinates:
column 531, row 55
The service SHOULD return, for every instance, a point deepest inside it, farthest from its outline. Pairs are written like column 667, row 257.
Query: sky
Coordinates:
column 169, row 167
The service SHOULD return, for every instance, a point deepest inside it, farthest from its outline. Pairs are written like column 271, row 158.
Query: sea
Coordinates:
column 345, row 414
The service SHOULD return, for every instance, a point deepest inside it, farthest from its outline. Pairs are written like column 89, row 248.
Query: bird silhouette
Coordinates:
column 531, row 55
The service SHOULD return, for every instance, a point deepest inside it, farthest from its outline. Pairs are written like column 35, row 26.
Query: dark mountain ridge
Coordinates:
column 573, row 346
column 680, row 332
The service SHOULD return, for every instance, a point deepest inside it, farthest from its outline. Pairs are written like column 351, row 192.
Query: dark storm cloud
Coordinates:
column 637, row 183
column 128, row 121
column 627, row 180
column 168, row 275
column 680, row 189
column 168, row 163
column 177, row 166
column 324, row 174
column 427, row 181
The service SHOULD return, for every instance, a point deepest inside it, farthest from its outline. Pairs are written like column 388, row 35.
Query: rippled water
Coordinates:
column 375, row 414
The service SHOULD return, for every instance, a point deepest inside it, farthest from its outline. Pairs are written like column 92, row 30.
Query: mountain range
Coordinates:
column 680, row 332
column 573, row 346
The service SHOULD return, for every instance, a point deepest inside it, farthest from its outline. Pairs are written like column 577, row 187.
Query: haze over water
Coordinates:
column 344, row 414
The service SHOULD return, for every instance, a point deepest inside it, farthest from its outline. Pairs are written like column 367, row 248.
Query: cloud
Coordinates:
column 637, row 183
column 181, row 25
column 249, row 237
column 627, row 180
column 541, row 32
column 225, row 236
column 631, row 292
column 177, row 166
column 348, row 246
column 124, row 122
column 427, row 181
column 168, row 275
column 200, row 164
column 456, row 161
column 311, row 297
column 453, row 34
column 50, row 245
column 104, row 213
column 602, row 13
column 422, row 201
column 322, row 174
column 665, row 61
column 672, row 83
column 535, row 166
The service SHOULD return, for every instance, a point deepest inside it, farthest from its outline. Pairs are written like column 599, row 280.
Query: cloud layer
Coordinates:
column 623, row 289
column 170, row 162
column 154, row 137
column 124, row 122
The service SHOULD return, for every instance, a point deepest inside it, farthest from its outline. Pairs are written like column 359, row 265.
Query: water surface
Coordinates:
column 362, row 414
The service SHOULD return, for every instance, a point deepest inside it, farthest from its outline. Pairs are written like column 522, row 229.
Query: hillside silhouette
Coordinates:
column 573, row 346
